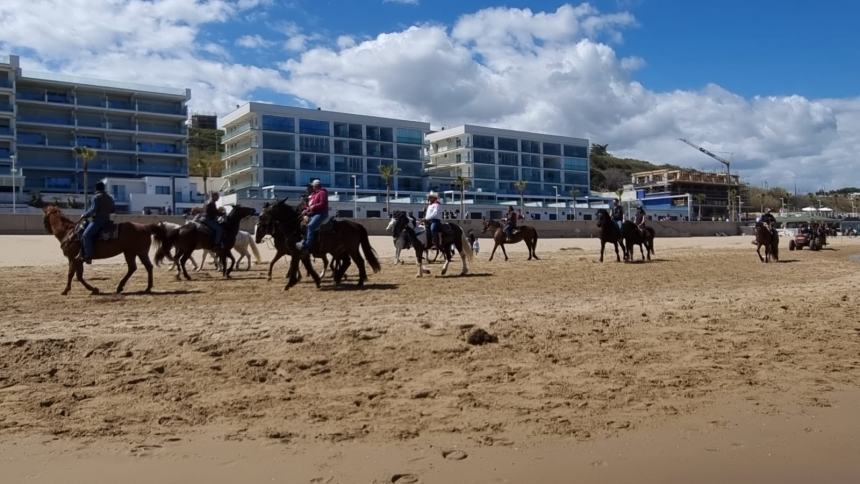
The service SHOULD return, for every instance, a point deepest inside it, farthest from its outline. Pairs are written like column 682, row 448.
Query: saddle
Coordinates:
column 109, row 232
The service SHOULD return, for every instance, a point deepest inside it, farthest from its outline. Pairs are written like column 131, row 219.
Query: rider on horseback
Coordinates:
column 100, row 210
column 433, row 218
column 317, row 211
column 211, row 212
column 640, row 219
column 510, row 222
column 617, row 214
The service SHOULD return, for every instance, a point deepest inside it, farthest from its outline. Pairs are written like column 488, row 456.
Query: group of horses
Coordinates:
column 340, row 243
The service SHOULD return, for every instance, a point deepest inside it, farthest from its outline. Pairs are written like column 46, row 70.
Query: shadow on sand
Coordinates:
column 354, row 287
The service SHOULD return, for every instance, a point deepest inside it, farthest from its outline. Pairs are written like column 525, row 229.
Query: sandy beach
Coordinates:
column 703, row 365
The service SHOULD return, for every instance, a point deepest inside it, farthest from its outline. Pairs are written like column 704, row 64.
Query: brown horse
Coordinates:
column 133, row 242
column 769, row 238
column 526, row 234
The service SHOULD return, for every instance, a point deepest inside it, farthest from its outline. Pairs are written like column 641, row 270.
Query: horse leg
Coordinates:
column 642, row 251
column 132, row 266
column 617, row 257
column 758, row 251
column 292, row 271
column 493, row 252
column 504, row 252
column 602, row 248
column 69, row 280
column 534, row 248
column 202, row 261
column 309, row 268
column 79, row 274
column 228, row 270
column 182, row 261
column 344, row 264
column 278, row 255
column 147, row 264
column 362, row 271
column 194, row 263
column 447, row 256
column 465, row 270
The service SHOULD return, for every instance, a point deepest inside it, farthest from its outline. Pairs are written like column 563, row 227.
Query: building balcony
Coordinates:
column 160, row 148
column 49, row 120
column 238, row 168
column 6, row 131
column 6, row 107
column 237, row 133
column 5, row 84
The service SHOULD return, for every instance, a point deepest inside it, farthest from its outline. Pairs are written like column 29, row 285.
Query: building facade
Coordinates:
column 136, row 130
column 498, row 162
column 709, row 195
column 274, row 151
column 158, row 194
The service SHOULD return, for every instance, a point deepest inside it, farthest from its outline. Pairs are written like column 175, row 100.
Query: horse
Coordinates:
column 401, row 231
column 284, row 247
column 769, row 238
column 402, row 241
column 343, row 239
column 193, row 236
column 282, row 222
column 609, row 232
column 633, row 236
column 132, row 241
column 453, row 237
column 172, row 226
column 244, row 240
column 525, row 234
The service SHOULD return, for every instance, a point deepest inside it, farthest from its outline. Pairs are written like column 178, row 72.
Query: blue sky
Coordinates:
column 772, row 83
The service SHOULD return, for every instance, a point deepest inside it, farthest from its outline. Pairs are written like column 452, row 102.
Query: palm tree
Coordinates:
column 387, row 173
column 574, row 193
column 700, row 199
column 520, row 186
column 599, row 150
column 462, row 183
column 85, row 154
column 202, row 163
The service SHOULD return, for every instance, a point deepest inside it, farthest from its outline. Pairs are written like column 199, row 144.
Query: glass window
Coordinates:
column 531, row 161
column 276, row 177
column 348, row 164
column 58, row 182
column 373, row 133
column 576, row 151
column 279, row 142
column 373, row 165
column 279, row 123
column 162, row 189
column 314, row 144
column 356, row 131
column 341, row 130
column 345, row 181
column 531, row 174
column 410, row 136
column 552, row 176
column 412, row 168
column 381, row 150
column 580, row 164
column 312, row 126
column 529, row 146
column 552, row 149
column 485, row 171
column 508, row 144
column 485, row 142
column 410, row 184
column 408, row 152
column 386, row 134
column 279, row 160
column 484, row 185
column 341, row 147
column 314, row 162
column 552, row 163
column 375, row 182
column 506, row 173
column 512, row 159
column 486, row 157
column 308, row 176
column 576, row 178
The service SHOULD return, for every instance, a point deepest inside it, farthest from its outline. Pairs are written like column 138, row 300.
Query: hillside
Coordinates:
column 610, row 173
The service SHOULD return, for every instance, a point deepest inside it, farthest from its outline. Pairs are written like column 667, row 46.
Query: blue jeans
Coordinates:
column 89, row 237
column 509, row 230
column 620, row 224
column 216, row 230
column 311, row 232
column 435, row 225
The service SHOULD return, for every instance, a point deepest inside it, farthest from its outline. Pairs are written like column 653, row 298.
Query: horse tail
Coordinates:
column 164, row 240
column 467, row 247
column 369, row 253
column 254, row 249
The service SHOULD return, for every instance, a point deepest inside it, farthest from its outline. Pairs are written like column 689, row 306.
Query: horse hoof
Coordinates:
column 65, row 293
column 95, row 291
column 119, row 290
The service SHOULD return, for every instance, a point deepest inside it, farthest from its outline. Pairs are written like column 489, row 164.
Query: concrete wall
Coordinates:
column 32, row 224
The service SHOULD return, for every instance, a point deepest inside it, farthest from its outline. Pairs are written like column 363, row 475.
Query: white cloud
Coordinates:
column 255, row 41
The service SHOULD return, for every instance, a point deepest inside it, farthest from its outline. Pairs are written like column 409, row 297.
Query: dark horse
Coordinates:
column 633, row 236
column 525, row 234
column 282, row 245
column 283, row 223
column 192, row 236
column 453, row 235
column 609, row 233
column 402, row 231
column 769, row 238
column 133, row 241
column 343, row 239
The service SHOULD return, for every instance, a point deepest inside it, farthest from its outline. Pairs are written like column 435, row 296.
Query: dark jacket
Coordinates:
column 101, row 207
column 617, row 213
column 212, row 212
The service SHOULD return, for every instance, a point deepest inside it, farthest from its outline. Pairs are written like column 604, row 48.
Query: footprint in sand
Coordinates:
column 404, row 479
column 454, row 454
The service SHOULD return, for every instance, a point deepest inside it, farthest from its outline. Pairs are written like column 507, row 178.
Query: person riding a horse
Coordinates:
column 433, row 219
column 640, row 219
column 510, row 222
column 211, row 212
column 100, row 210
column 317, row 211
column 617, row 214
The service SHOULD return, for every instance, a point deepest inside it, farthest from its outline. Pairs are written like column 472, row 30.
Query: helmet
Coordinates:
column 100, row 186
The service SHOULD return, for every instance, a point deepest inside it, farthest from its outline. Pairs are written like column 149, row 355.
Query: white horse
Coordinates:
column 244, row 240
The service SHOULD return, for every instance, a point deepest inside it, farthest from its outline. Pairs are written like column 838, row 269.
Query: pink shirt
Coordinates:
column 318, row 202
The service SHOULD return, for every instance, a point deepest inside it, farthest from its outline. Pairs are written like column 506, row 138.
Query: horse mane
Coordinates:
column 53, row 210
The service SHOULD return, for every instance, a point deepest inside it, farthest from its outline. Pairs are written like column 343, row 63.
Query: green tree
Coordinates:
column 204, row 164
column 599, row 150
column 700, row 200
column 387, row 173
column 520, row 187
column 85, row 154
column 462, row 183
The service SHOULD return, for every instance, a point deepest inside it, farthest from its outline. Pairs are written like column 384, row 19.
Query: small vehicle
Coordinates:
column 807, row 238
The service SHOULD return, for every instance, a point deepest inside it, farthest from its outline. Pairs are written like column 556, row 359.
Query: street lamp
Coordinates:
column 782, row 204
column 14, row 194
column 556, row 201
column 354, row 197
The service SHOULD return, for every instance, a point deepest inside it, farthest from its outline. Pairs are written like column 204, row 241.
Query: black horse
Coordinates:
column 453, row 237
column 192, row 236
column 633, row 236
column 282, row 245
column 405, row 236
column 283, row 223
column 609, row 232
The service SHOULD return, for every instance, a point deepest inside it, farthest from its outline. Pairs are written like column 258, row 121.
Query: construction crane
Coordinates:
column 718, row 158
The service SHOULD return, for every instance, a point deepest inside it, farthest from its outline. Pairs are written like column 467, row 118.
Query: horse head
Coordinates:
column 401, row 221
column 490, row 224
column 602, row 217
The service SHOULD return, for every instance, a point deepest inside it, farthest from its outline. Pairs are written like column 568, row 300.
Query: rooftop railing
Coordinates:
column 130, row 86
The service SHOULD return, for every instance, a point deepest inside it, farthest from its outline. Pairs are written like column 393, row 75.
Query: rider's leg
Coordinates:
column 436, row 233
column 89, row 238
column 310, row 234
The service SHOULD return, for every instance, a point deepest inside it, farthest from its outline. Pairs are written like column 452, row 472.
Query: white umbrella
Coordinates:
column 809, row 209
column 825, row 209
